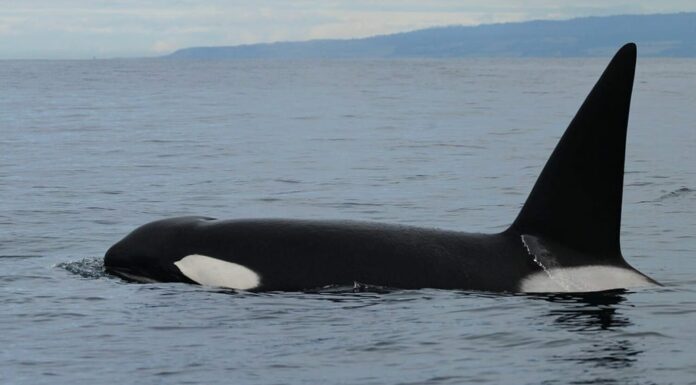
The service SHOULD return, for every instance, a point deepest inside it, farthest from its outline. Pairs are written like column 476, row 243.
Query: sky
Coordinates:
column 78, row 29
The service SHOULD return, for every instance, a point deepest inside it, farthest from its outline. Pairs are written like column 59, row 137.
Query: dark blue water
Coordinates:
column 89, row 150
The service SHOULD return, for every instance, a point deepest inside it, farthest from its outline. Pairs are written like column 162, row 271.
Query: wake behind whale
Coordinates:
column 565, row 238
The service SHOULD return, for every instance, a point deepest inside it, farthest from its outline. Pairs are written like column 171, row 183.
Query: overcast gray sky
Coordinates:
column 129, row 28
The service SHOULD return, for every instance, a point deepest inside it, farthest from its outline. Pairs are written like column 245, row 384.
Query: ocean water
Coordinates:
column 89, row 150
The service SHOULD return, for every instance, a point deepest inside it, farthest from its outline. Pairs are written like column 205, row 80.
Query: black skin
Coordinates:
column 573, row 212
column 293, row 255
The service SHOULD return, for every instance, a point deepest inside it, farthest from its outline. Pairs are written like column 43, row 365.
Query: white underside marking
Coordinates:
column 210, row 271
column 582, row 279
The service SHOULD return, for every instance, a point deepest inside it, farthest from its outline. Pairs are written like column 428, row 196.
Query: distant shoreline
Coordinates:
column 657, row 35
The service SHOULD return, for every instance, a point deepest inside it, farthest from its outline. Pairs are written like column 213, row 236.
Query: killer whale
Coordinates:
column 565, row 238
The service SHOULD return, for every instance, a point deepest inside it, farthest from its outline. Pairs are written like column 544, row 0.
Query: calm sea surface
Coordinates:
column 89, row 150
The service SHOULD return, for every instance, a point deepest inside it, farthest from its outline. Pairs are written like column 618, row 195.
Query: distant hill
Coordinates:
column 656, row 35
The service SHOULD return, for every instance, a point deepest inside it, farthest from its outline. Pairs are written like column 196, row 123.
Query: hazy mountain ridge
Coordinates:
column 670, row 35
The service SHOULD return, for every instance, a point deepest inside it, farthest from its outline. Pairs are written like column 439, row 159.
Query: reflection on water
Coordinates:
column 590, row 311
column 596, row 320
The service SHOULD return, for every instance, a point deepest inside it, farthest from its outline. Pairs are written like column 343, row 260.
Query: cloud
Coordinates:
column 162, row 47
column 354, row 24
column 81, row 28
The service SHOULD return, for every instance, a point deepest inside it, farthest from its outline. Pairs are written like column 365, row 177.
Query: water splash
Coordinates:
column 92, row 268
column 358, row 287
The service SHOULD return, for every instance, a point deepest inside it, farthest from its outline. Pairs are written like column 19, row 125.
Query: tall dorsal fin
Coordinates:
column 577, row 199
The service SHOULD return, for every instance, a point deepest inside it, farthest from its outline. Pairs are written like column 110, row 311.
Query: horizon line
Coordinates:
column 339, row 39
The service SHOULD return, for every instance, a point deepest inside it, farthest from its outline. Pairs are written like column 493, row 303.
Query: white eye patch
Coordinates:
column 209, row 271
